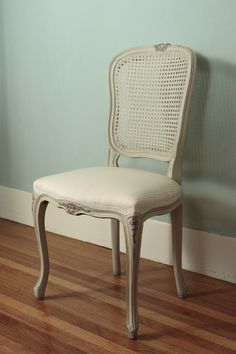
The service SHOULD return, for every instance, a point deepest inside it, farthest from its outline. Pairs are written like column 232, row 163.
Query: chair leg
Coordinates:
column 39, row 209
column 133, row 235
column 115, row 240
column 176, row 218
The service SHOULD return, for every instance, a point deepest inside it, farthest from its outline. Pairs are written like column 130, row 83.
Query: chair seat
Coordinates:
column 114, row 189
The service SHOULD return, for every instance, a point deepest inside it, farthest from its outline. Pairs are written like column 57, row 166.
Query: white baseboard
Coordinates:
column 203, row 252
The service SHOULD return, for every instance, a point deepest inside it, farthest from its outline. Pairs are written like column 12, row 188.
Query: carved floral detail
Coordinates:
column 134, row 224
column 161, row 47
column 72, row 208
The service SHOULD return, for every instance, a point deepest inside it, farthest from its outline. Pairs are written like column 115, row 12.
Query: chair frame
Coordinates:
column 133, row 224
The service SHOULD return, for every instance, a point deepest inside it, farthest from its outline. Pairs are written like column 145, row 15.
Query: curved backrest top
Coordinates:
column 150, row 89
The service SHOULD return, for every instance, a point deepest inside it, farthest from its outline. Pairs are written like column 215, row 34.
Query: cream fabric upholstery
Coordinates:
column 123, row 190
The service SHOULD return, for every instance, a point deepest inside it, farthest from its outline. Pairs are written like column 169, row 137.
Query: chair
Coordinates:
column 150, row 89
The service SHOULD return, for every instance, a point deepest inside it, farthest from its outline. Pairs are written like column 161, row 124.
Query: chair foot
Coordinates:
column 182, row 290
column 133, row 334
column 183, row 293
column 38, row 293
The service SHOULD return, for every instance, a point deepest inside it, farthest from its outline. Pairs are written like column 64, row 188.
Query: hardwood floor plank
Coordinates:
column 9, row 346
column 188, row 328
column 158, row 328
column 42, row 337
column 204, row 310
column 84, row 308
column 62, row 325
column 38, row 340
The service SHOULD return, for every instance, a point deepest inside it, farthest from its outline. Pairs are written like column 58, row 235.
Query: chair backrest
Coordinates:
column 150, row 90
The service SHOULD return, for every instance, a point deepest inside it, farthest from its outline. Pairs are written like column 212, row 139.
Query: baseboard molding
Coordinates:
column 203, row 252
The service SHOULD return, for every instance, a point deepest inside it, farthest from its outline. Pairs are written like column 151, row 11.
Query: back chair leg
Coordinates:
column 39, row 209
column 176, row 218
column 115, row 240
column 133, row 235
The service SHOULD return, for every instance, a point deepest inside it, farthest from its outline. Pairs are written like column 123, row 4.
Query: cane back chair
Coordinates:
column 150, row 89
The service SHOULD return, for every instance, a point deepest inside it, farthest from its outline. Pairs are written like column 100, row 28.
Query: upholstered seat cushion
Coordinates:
column 123, row 190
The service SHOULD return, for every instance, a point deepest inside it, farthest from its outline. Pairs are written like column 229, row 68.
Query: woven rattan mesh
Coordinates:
column 149, row 93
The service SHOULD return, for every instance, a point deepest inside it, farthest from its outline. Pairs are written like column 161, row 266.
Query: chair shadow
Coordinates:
column 70, row 295
column 148, row 337
column 210, row 292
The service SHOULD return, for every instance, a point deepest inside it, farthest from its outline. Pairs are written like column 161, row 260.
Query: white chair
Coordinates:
column 150, row 90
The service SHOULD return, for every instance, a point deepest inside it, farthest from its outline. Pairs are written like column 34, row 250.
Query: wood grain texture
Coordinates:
column 84, row 306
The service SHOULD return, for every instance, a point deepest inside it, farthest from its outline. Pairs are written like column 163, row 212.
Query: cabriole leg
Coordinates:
column 133, row 235
column 176, row 218
column 115, row 241
column 39, row 209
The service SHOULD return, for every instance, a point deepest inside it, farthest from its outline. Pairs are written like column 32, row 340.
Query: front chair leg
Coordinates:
column 176, row 218
column 115, row 241
column 133, row 235
column 39, row 209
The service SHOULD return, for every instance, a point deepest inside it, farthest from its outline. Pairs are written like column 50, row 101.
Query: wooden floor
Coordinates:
column 84, row 308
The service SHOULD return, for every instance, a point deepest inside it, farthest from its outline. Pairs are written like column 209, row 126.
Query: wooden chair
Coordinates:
column 150, row 90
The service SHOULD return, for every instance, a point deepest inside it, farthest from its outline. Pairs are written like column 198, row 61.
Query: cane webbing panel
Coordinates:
column 149, row 92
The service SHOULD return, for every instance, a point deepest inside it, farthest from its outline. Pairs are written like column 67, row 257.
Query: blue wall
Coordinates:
column 54, row 93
